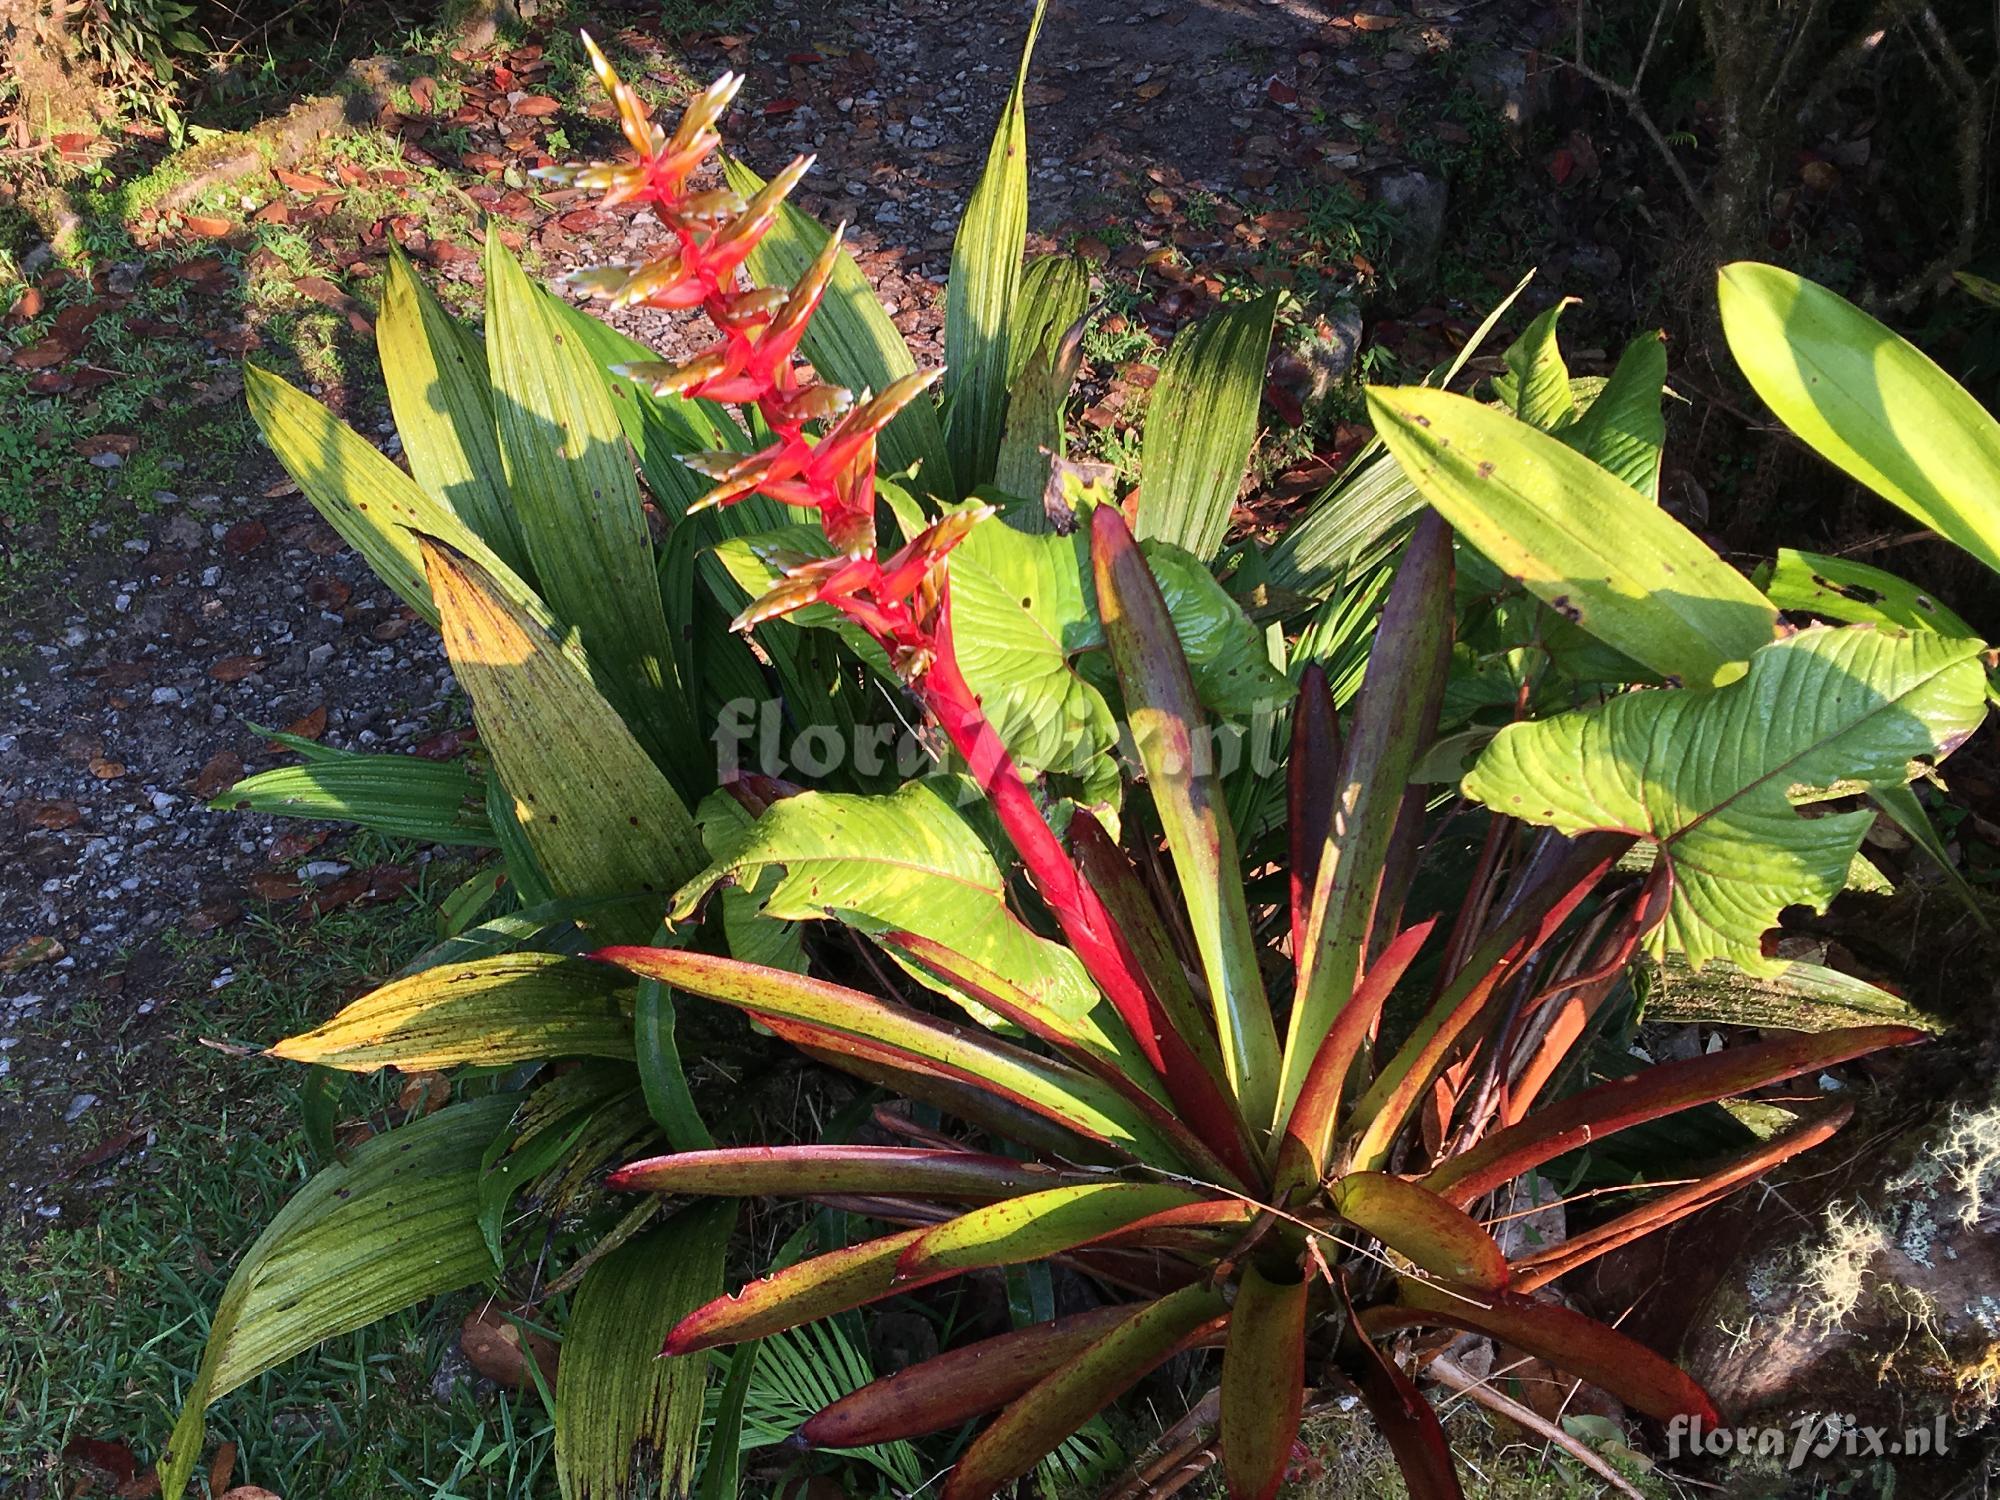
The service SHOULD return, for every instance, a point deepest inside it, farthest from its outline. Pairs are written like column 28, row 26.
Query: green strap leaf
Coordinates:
column 985, row 280
column 1583, row 543
column 600, row 817
column 1038, row 1225
column 1201, row 421
column 1263, row 1383
column 1169, row 732
column 434, row 802
column 1868, row 401
column 395, row 1223
column 850, row 340
column 627, row 1421
column 520, row 1007
column 579, row 512
column 378, row 510
column 441, row 396
column 1706, row 776
column 1035, row 424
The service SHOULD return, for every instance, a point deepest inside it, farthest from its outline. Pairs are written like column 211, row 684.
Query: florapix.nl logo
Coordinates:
column 1807, row 1438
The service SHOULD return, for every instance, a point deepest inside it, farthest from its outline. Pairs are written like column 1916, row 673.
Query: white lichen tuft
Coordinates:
column 1836, row 1272
column 1969, row 1155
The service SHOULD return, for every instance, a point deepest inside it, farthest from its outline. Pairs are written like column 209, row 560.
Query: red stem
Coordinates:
column 1091, row 931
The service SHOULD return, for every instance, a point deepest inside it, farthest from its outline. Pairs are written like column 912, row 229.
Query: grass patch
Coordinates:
column 105, row 1321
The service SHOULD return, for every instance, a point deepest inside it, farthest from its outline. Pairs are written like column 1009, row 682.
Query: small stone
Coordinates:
column 77, row 1105
column 122, row 603
column 165, row 695
column 107, row 460
column 76, row 635
column 318, row 658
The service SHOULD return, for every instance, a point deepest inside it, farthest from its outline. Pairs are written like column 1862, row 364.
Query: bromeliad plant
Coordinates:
column 1236, row 1129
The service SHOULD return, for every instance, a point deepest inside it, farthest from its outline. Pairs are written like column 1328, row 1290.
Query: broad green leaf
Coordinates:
column 905, row 862
column 440, row 394
column 1536, row 385
column 1227, row 653
column 1706, row 775
column 841, row 1022
column 1022, row 609
column 546, row 924
column 1799, row 997
column 403, row 796
column 378, row 510
column 819, row 1287
column 1201, row 421
column 1868, row 400
column 1055, row 293
column 628, row 1422
column 601, row 818
column 1589, row 547
column 1263, row 1382
column 851, row 340
column 1038, row 1225
column 1623, row 429
column 579, row 512
column 1836, row 588
column 985, row 280
column 1167, row 728
column 753, row 934
column 520, row 1007
column 1034, row 1423
column 393, row 1224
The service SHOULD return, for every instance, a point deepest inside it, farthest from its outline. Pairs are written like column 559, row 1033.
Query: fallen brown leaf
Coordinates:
column 223, row 770
column 236, row 668
column 495, row 1348
column 309, row 726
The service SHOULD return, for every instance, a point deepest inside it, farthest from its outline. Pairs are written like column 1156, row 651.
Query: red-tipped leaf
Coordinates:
column 1034, row 1423
column 960, row 1384
column 1407, row 1420
column 1560, row 1259
column 1568, row 1340
column 814, row 1171
column 1308, row 1142
column 835, row 1017
column 1263, row 1383
column 802, row 1293
column 1662, row 1090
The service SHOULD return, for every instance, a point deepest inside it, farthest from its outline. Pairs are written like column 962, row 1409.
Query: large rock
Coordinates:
column 1418, row 201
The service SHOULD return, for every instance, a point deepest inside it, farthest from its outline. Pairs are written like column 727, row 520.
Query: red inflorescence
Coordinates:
column 754, row 364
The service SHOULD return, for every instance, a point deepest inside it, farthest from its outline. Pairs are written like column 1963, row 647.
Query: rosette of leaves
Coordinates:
column 1280, row 1132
